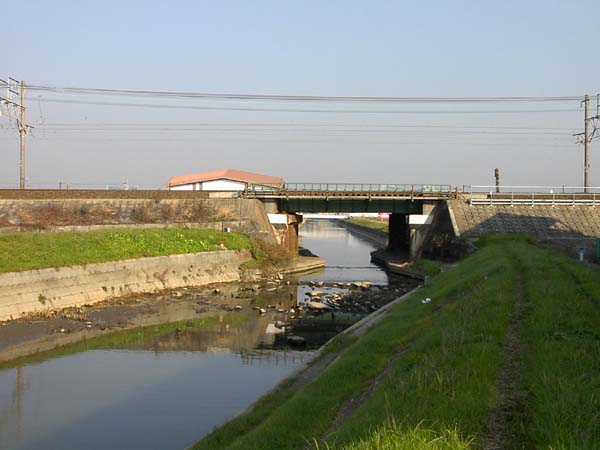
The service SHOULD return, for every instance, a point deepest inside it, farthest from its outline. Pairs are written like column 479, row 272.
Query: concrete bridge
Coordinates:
column 400, row 200
column 434, row 213
column 351, row 198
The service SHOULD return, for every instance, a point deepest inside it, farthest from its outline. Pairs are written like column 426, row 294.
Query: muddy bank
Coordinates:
column 38, row 291
column 326, row 309
column 287, row 307
column 54, row 328
column 395, row 263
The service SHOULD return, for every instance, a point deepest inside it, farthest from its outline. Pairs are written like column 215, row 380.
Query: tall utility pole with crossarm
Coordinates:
column 586, row 138
column 13, row 106
column 22, row 134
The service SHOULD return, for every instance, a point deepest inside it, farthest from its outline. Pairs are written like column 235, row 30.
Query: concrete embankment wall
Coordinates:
column 377, row 237
column 88, row 208
column 563, row 226
column 38, row 290
column 236, row 225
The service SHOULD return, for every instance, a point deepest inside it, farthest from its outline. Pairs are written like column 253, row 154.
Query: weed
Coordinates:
column 268, row 255
column 427, row 266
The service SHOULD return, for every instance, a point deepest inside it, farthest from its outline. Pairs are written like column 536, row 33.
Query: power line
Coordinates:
column 302, row 110
column 144, row 128
column 319, row 139
column 295, row 124
column 303, row 98
column 283, row 130
column 332, row 134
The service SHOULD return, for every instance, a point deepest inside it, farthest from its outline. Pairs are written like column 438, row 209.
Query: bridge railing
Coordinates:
column 550, row 189
column 386, row 188
column 534, row 195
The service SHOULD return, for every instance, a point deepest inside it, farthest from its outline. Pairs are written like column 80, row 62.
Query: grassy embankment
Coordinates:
column 376, row 224
column 427, row 266
column 26, row 251
column 119, row 339
column 506, row 355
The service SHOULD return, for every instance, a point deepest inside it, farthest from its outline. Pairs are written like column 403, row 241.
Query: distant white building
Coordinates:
column 229, row 180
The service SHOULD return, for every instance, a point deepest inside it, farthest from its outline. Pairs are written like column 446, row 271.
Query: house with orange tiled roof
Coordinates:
column 229, row 180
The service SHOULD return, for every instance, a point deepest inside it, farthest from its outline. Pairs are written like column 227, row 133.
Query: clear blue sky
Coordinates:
column 460, row 48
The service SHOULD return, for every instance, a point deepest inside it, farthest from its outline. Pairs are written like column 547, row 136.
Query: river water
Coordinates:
column 164, row 392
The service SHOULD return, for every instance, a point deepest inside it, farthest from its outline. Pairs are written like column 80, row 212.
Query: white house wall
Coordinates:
column 183, row 187
column 216, row 185
column 223, row 185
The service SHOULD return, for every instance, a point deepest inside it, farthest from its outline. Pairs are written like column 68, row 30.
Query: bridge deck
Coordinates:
column 352, row 191
column 283, row 193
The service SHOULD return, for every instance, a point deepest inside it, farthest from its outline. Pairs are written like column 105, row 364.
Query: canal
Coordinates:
column 164, row 388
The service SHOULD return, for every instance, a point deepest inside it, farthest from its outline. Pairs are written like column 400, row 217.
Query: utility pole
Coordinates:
column 15, row 111
column 497, row 177
column 588, row 136
column 22, row 134
column 586, row 145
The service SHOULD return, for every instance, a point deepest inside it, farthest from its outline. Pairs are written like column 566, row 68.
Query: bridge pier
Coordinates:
column 285, row 227
column 399, row 233
column 291, row 239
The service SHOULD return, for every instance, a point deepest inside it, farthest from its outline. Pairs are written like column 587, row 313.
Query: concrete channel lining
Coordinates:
column 36, row 291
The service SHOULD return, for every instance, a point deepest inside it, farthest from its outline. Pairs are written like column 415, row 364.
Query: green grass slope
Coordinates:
column 370, row 222
column 507, row 351
column 26, row 251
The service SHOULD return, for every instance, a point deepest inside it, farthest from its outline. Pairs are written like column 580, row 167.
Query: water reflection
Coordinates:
column 347, row 256
column 166, row 390
column 132, row 399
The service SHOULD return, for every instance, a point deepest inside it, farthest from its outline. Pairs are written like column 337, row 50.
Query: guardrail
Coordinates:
column 562, row 189
column 537, row 198
column 533, row 195
column 349, row 188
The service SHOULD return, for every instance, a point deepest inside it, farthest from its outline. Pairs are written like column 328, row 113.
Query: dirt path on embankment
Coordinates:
column 511, row 400
column 348, row 408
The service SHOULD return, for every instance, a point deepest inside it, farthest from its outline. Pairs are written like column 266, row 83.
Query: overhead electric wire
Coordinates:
column 270, row 135
column 427, row 143
column 332, row 131
column 302, row 110
column 301, row 98
column 295, row 124
column 315, row 131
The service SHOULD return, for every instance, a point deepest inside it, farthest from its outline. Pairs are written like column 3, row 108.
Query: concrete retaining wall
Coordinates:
column 242, row 226
column 377, row 237
column 31, row 214
column 567, row 228
column 38, row 290
column 541, row 221
column 68, row 214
